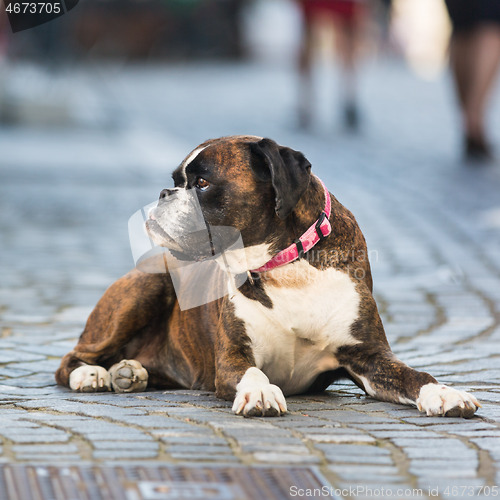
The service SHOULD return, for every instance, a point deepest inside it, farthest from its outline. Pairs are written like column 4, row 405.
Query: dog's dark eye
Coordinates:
column 202, row 184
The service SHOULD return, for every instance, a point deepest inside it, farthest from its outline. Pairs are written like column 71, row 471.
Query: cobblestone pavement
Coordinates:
column 433, row 230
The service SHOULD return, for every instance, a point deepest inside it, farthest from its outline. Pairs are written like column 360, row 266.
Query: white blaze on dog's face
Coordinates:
column 178, row 214
column 241, row 182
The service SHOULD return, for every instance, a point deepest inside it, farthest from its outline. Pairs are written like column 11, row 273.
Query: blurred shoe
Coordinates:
column 351, row 117
column 477, row 150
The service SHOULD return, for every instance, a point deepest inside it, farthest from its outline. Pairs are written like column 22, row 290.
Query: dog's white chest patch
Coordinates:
column 312, row 313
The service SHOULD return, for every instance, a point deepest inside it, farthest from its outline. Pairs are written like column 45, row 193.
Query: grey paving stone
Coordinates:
column 125, row 445
column 248, row 426
column 432, row 442
column 6, row 388
column 346, row 437
column 35, row 380
column 269, row 441
column 44, row 449
column 9, row 372
column 39, row 366
column 358, row 459
column 491, row 396
column 201, row 439
column 445, row 465
column 94, row 410
column 46, row 350
column 119, row 434
column 7, row 422
column 343, row 416
column 207, row 449
column 275, row 447
column 38, row 437
column 365, row 471
column 202, row 458
column 390, row 425
column 14, row 356
column 61, row 461
column 26, row 318
column 304, row 422
column 493, row 433
column 473, row 425
column 176, row 436
column 488, row 443
column 428, row 421
column 112, row 398
column 154, row 421
column 132, row 454
column 95, row 426
column 353, row 450
column 287, row 458
column 414, row 434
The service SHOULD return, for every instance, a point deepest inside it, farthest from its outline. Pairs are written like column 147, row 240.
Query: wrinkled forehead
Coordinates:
column 227, row 154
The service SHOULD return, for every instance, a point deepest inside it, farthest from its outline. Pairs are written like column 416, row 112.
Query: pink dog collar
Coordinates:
column 316, row 233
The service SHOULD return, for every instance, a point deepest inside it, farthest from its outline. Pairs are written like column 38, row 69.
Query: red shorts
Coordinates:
column 345, row 9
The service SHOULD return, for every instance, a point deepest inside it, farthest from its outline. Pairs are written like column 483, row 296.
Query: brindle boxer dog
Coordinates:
column 305, row 317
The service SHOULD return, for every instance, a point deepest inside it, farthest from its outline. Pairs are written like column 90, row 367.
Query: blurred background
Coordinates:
column 54, row 73
column 98, row 106
column 104, row 40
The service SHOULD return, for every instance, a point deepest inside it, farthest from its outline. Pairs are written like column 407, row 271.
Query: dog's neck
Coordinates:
column 308, row 209
column 308, row 223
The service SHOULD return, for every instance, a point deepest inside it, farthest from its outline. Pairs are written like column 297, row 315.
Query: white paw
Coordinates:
column 438, row 399
column 128, row 376
column 256, row 397
column 90, row 378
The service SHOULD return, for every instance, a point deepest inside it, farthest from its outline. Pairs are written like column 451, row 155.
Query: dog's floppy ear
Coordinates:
column 288, row 170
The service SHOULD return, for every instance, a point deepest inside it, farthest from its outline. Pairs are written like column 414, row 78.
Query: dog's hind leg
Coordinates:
column 126, row 308
column 90, row 378
column 128, row 376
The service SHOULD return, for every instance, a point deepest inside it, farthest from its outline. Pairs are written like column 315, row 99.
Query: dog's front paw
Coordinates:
column 128, row 376
column 90, row 378
column 256, row 397
column 439, row 400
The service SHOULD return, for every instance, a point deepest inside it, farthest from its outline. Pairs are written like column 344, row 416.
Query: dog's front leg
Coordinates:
column 381, row 375
column 238, row 379
column 256, row 397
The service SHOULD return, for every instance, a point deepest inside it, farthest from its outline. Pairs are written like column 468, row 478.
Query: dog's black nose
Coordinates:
column 165, row 192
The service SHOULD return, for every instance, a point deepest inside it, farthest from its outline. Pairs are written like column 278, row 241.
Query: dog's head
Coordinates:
column 245, row 183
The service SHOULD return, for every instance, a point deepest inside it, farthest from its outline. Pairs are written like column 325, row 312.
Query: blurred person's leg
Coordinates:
column 305, row 69
column 384, row 20
column 347, row 39
column 348, row 17
column 461, row 61
column 474, row 60
column 485, row 58
column 349, row 24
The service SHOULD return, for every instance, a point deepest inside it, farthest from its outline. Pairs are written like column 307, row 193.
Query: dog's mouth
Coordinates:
column 195, row 246
column 157, row 233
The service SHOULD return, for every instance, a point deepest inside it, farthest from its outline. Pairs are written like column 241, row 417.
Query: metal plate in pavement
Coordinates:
column 33, row 482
